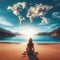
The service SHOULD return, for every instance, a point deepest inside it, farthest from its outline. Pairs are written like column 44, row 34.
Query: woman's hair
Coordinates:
column 30, row 40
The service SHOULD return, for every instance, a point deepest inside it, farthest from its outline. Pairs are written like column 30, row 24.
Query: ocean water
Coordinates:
column 36, row 39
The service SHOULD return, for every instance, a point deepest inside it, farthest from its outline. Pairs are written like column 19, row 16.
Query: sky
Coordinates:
column 43, row 15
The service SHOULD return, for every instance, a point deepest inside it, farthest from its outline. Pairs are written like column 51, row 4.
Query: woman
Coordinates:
column 30, row 46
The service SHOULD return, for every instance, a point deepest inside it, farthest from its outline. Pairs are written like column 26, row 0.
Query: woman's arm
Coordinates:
column 33, row 48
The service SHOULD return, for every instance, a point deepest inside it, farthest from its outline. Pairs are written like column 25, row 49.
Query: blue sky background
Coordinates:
column 9, row 21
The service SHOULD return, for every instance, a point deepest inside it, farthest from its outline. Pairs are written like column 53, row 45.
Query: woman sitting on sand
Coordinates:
column 30, row 46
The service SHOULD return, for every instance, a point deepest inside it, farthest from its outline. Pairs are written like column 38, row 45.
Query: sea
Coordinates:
column 36, row 39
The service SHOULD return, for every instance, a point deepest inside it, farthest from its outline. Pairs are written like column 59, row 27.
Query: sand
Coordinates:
column 14, row 51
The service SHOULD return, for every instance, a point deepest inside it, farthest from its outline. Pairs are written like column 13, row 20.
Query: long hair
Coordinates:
column 30, row 41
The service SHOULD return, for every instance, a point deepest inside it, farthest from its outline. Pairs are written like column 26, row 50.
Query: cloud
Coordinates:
column 21, row 19
column 4, row 22
column 44, row 20
column 23, row 4
column 47, row 28
column 17, row 8
column 56, row 15
column 38, row 10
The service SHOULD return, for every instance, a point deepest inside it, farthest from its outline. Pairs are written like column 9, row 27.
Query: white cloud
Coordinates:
column 4, row 22
column 56, row 15
column 46, row 28
column 38, row 10
column 17, row 8
column 23, row 4
column 44, row 20
column 21, row 19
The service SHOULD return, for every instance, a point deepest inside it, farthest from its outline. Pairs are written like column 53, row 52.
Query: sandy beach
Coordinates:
column 14, row 51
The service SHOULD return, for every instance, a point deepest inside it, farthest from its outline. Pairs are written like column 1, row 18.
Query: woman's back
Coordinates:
column 30, row 45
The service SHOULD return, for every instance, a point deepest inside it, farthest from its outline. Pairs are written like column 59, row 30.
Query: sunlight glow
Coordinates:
column 29, row 32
